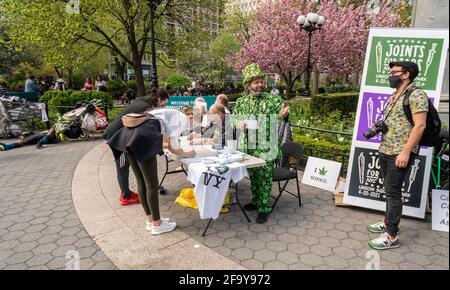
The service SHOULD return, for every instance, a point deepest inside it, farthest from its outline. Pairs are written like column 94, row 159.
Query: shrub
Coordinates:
column 340, row 88
column 16, row 86
column 176, row 82
column 114, row 113
column 63, row 99
column 4, row 83
column 324, row 149
column 132, row 84
column 327, row 103
column 233, row 97
column 47, row 96
column 116, row 87
column 302, row 114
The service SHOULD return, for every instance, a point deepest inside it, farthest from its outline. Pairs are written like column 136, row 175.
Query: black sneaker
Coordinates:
column 262, row 218
column 39, row 145
column 250, row 207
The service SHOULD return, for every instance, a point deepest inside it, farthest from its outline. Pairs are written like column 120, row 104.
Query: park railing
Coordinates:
column 334, row 155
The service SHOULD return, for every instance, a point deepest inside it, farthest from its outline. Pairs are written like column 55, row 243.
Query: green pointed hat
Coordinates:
column 252, row 72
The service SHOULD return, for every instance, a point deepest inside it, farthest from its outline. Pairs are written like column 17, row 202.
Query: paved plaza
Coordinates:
column 317, row 235
column 38, row 222
column 44, row 215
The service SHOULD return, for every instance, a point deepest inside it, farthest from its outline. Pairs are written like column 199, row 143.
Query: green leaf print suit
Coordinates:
column 260, row 108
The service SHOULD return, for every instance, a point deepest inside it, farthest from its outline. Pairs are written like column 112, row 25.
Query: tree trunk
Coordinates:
column 357, row 78
column 289, row 82
column 138, row 76
column 69, row 78
column 120, row 68
column 58, row 72
column 315, row 82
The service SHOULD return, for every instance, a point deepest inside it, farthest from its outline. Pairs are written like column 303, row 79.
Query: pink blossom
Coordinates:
column 278, row 44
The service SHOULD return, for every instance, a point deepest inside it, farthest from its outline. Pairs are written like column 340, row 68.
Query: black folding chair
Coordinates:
column 162, row 190
column 284, row 174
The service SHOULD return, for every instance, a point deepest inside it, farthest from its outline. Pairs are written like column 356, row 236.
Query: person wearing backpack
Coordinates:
column 408, row 114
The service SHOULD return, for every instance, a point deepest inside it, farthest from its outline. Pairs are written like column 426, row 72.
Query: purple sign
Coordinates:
column 372, row 108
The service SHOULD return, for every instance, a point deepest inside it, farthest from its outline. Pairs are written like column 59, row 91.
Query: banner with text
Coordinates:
column 179, row 101
column 426, row 47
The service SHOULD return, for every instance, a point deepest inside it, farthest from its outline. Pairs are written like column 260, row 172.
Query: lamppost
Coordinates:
column 310, row 23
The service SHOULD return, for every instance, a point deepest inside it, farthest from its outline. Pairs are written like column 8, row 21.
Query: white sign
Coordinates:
column 322, row 173
column 426, row 47
column 440, row 210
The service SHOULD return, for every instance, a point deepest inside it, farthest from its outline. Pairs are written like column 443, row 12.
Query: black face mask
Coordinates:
column 395, row 82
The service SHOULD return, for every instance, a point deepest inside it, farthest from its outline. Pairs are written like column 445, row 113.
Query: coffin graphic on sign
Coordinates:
column 366, row 180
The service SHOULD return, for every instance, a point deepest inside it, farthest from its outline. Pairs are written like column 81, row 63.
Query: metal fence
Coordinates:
column 337, row 156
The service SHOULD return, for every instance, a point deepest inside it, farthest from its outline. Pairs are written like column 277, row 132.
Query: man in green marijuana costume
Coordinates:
column 264, row 108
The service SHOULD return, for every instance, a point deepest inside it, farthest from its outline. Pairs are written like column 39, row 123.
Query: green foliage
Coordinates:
column 114, row 113
column 338, row 88
column 302, row 114
column 200, row 65
column 321, row 144
column 176, row 82
column 324, row 149
column 327, row 103
column 16, row 86
column 132, row 84
column 47, row 96
column 116, row 87
column 224, row 46
column 63, row 99
column 233, row 97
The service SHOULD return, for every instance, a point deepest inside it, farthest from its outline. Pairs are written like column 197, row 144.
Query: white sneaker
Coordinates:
column 384, row 242
column 377, row 228
column 149, row 226
column 165, row 227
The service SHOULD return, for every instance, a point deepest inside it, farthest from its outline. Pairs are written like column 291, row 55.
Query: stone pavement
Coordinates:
column 317, row 235
column 38, row 222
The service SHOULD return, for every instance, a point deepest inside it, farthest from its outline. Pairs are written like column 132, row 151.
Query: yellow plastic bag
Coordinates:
column 187, row 198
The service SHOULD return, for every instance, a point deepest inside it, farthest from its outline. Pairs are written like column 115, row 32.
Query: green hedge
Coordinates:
column 116, row 87
column 70, row 98
column 176, row 82
column 132, row 84
column 47, row 96
column 327, row 103
column 313, row 146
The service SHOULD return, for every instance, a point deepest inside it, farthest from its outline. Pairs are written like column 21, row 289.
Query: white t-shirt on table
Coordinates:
column 211, row 185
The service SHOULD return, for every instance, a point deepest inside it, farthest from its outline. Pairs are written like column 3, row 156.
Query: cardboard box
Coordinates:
column 339, row 193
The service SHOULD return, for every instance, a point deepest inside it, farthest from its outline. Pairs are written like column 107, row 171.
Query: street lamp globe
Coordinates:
column 310, row 23
column 301, row 20
column 313, row 17
column 321, row 20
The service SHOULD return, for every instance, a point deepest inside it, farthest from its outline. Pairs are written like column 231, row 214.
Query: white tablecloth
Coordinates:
column 211, row 184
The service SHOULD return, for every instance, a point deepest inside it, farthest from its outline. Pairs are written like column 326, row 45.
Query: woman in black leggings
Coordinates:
column 141, row 145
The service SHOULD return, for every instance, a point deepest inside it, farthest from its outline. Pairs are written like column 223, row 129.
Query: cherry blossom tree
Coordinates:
column 278, row 44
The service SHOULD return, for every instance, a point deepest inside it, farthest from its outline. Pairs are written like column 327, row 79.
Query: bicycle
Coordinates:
column 440, row 164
